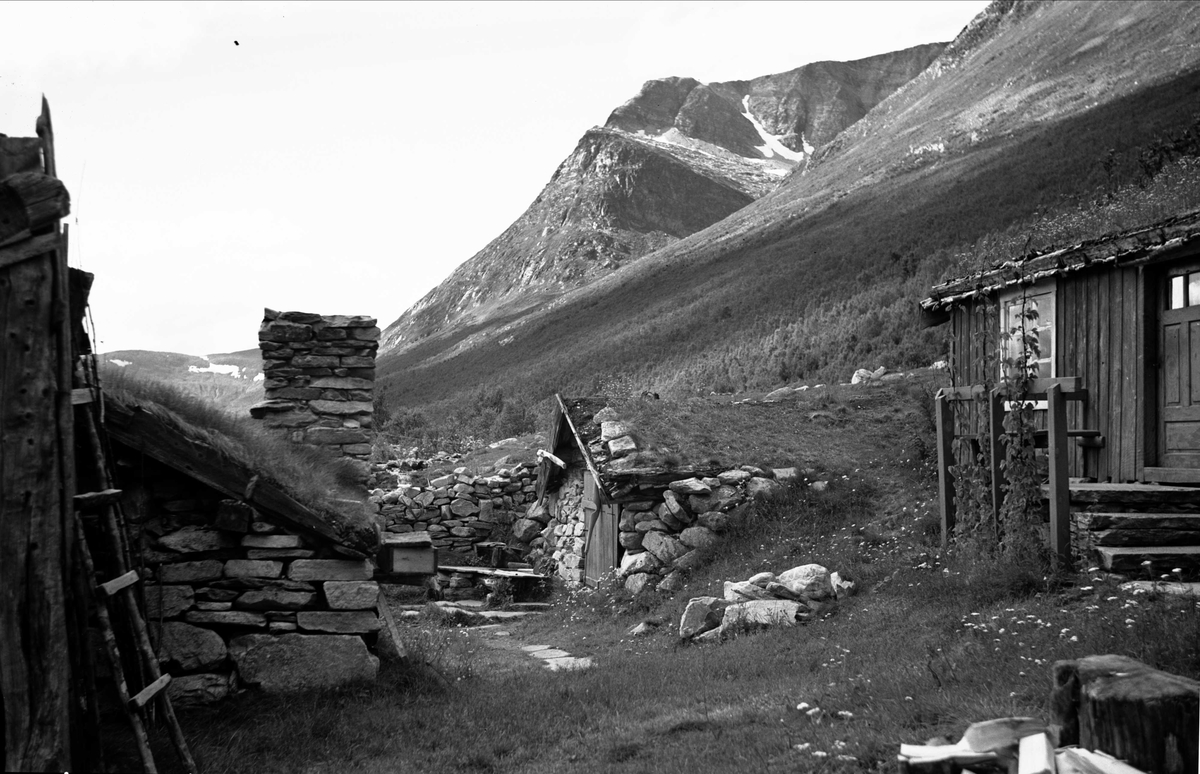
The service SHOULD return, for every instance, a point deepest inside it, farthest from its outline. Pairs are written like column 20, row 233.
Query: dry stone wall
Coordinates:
column 319, row 377
column 459, row 509
column 665, row 532
column 236, row 598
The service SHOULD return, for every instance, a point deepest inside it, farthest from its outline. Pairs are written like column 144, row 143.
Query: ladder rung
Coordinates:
column 92, row 500
column 149, row 692
column 116, row 584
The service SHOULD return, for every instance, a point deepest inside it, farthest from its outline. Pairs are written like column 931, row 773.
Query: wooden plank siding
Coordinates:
column 1100, row 337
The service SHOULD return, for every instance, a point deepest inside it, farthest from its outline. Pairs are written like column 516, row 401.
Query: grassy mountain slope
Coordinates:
column 1033, row 129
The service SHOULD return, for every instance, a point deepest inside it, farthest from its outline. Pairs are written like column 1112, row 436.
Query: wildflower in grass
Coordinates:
column 815, row 711
column 803, row 746
column 802, row 706
column 820, row 754
column 845, row 714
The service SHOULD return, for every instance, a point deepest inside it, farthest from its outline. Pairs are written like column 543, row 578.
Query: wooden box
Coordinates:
column 410, row 553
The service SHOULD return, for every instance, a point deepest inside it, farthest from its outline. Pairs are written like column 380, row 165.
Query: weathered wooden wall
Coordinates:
column 34, row 671
column 1100, row 337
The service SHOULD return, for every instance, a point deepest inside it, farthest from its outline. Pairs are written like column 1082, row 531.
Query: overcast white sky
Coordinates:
column 344, row 158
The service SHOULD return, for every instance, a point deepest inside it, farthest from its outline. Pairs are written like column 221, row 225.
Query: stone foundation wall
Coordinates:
column 319, row 377
column 235, row 598
column 664, row 531
column 459, row 510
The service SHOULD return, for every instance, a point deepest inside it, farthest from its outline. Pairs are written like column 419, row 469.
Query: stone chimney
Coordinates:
column 319, row 376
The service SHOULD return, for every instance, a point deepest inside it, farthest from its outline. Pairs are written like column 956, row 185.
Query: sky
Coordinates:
column 345, row 158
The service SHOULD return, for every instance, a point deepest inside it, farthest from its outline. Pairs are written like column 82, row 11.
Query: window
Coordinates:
column 1027, row 331
column 1185, row 291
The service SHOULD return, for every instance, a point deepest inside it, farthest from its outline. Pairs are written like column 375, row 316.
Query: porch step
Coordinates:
column 1141, row 529
column 1127, row 560
column 1136, row 495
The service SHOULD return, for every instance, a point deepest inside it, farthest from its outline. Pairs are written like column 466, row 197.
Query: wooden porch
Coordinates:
column 1117, row 526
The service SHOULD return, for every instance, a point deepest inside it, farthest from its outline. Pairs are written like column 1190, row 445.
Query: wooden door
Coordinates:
column 600, row 541
column 1179, row 373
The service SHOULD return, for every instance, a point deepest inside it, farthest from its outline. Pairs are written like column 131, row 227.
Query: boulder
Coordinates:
column 702, row 614
column 190, row 648
column 759, row 614
column 620, row 447
column 761, row 579
column 299, row 662
column 274, row 599
column 636, row 584
column 780, row 591
column 242, row 618
column 352, row 595
column 631, row 564
column 760, row 487
column 613, row 429
column 672, row 582
column 357, row 622
column 463, row 507
column 699, row 537
column 724, row 497
column 197, row 690
column 785, row 474
column 272, row 541
column 195, row 539
column 168, row 601
column 330, row 569
column 842, row 587
column 692, row 560
column 191, row 572
column 733, row 477
column 630, row 540
column 690, row 486
column 253, row 568
column 674, row 506
column 808, row 580
column 663, row 546
column 744, row 591
column 654, row 525
column 524, row 530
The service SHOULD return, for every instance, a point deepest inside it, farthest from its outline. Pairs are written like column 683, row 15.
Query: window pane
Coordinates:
column 1178, row 299
column 1044, row 336
column 1193, row 292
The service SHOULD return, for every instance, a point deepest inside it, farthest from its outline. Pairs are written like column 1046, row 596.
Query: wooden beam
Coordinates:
column 945, row 431
column 90, row 501
column 29, row 203
column 587, row 456
column 116, row 584
column 144, row 696
column 27, row 248
column 81, row 396
column 1060, row 493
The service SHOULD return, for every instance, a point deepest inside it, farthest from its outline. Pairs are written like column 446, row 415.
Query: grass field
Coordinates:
column 930, row 644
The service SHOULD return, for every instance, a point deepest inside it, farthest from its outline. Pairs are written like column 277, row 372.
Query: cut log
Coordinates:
column 1122, row 707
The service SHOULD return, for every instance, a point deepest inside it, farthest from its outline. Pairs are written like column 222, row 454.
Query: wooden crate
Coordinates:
column 410, row 553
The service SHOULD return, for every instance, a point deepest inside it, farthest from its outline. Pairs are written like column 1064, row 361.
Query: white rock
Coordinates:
column 809, row 580
column 744, row 591
column 761, row 579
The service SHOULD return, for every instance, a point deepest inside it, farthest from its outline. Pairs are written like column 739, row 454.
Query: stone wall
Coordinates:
column 459, row 510
column 236, row 598
column 319, row 376
column 664, row 531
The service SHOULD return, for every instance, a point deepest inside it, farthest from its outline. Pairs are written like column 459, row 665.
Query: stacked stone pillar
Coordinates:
column 319, row 376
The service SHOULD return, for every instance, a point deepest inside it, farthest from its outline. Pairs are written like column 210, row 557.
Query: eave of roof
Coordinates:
column 1141, row 245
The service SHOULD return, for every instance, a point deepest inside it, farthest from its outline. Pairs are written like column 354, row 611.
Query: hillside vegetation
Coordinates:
column 1042, row 125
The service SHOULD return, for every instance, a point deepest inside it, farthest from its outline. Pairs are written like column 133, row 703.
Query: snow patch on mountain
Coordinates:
column 215, row 368
column 121, row 363
column 771, row 147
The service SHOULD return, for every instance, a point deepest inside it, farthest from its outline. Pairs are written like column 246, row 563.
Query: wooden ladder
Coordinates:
column 121, row 587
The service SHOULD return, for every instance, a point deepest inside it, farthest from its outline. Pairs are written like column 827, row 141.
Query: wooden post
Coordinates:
column 995, row 406
column 1122, row 707
column 945, row 449
column 1060, row 491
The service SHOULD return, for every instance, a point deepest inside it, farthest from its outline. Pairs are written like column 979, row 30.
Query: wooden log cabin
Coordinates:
column 1117, row 366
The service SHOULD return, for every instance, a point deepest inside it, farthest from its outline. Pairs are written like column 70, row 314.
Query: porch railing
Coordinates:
column 1056, row 393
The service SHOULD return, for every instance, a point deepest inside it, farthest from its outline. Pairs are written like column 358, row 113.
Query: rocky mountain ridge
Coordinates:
column 676, row 158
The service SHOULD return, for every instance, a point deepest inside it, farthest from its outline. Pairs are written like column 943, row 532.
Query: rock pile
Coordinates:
column 459, row 510
column 667, row 537
column 798, row 595
column 319, row 378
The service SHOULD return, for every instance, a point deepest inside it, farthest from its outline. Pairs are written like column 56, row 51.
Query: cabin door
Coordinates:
column 1179, row 377
column 600, row 543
